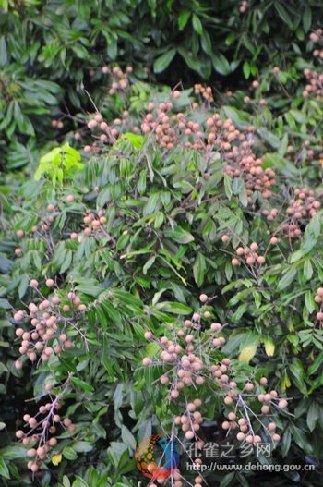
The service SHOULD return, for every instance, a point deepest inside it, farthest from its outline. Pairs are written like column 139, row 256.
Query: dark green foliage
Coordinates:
column 50, row 52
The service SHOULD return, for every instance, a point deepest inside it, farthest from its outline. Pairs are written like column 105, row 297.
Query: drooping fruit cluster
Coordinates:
column 41, row 229
column 119, row 78
column 171, row 128
column 41, row 429
column 302, row 207
column 158, row 122
column 236, row 146
column 271, row 214
column 248, row 255
column 48, row 335
column 188, row 363
column 315, row 82
column 191, row 419
column 204, row 91
column 93, row 224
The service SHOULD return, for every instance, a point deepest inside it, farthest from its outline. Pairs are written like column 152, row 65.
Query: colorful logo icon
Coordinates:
column 157, row 457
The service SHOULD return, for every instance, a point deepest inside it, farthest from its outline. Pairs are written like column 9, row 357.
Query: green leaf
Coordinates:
column 4, row 304
column 246, row 69
column 4, row 472
column 199, row 269
column 312, row 233
column 287, row 279
column 227, row 479
column 23, row 286
column 309, row 302
column 135, row 139
column 307, row 18
column 148, row 264
column 128, row 437
column 297, row 370
column 228, row 186
column 183, row 19
column 316, row 364
column 284, row 15
column 69, row 453
column 312, row 416
column 163, row 61
column 179, row 234
column 197, row 25
column 81, row 384
column 3, row 51
column 221, row 64
column 285, row 443
column 82, row 446
column 174, row 307
column 308, row 269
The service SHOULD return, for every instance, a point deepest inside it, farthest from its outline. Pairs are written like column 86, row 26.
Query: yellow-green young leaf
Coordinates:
column 269, row 346
column 248, row 353
column 285, row 382
column 56, row 459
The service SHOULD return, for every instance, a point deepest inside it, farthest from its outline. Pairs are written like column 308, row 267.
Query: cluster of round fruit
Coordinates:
column 92, row 224
column 191, row 419
column 238, row 419
column 243, row 6
column 45, row 338
column 57, row 124
column 158, row 122
column 107, row 133
column 43, row 426
column 236, row 147
column 42, row 227
column 271, row 214
column 304, row 205
column 248, row 255
column 315, row 83
column 319, row 299
column 204, row 91
column 104, row 132
column 120, row 79
column 171, row 129
column 187, row 367
column 222, row 133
